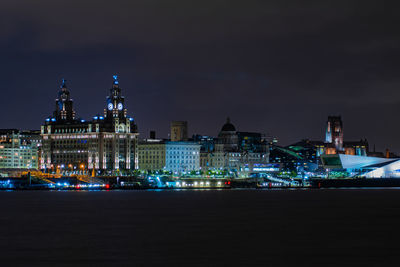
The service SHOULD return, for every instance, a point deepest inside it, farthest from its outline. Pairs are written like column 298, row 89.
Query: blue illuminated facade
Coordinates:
column 181, row 156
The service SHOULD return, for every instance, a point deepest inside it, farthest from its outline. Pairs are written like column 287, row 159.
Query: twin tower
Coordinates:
column 115, row 106
column 104, row 145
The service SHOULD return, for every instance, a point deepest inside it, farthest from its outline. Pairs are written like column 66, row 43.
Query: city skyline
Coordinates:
column 273, row 68
column 166, row 135
column 199, row 133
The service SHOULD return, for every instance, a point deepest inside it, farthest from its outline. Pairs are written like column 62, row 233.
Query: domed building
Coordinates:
column 228, row 137
column 228, row 126
column 239, row 153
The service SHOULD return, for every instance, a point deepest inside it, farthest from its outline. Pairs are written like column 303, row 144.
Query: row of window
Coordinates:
column 181, row 162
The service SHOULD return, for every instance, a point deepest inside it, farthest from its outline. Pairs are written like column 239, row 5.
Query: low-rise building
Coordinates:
column 152, row 153
column 16, row 152
column 235, row 152
column 360, row 166
column 178, row 157
column 182, row 157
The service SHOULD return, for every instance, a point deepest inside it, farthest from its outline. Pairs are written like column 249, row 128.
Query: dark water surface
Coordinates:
column 201, row 228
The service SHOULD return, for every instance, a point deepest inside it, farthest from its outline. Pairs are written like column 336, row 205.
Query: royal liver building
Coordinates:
column 105, row 145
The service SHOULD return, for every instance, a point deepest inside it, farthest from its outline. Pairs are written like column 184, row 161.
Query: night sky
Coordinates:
column 277, row 67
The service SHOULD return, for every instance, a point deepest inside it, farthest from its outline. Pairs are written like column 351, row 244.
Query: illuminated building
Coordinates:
column 105, row 145
column 151, row 154
column 207, row 142
column 182, row 156
column 334, row 132
column 236, row 152
column 174, row 156
column 301, row 156
column 334, row 143
column 362, row 166
column 177, row 157
column 19, row 150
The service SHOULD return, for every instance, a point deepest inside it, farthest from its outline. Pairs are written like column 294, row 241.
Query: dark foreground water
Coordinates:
column 201, row 228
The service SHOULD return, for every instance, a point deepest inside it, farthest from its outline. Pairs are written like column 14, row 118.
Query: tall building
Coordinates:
column 311, row 151
column 334, row 141
column 105, row 145
column 334, row 132
column 179, row 131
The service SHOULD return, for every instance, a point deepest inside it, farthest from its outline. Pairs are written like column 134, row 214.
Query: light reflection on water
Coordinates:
column 246, row 227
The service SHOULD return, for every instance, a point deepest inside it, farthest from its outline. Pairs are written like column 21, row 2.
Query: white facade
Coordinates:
column 369, row 167
column 182, row 156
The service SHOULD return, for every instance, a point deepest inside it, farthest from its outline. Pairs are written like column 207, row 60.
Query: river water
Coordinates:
column 200, row 228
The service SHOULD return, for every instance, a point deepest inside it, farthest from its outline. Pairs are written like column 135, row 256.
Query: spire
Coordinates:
column 63, row 83
column 228, row 120
column 64, row 104
column 115, row 77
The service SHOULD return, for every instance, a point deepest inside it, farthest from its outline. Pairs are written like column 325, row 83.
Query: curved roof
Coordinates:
column 228, row 126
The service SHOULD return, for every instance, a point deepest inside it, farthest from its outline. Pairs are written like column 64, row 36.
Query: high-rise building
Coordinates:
column 179, row 131
column 334, row 132
column 105, row 145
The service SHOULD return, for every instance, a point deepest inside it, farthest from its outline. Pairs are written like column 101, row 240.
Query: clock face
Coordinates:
column 120, row 106
column 110, row 106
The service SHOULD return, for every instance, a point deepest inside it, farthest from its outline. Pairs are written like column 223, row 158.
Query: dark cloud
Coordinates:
column 278, row 67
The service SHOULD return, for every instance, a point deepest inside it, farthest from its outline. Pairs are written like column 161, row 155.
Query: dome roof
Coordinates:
column 228, row 126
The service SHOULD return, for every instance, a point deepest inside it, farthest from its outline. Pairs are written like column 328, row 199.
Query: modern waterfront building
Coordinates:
column 19, row 149
column 104, row 145
column 362, row 166
column 296, row 157
column 306, row 154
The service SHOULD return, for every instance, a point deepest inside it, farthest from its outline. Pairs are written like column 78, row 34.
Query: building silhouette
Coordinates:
column 179, row 131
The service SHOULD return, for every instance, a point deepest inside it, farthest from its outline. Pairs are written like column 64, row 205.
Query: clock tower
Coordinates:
column 115, row 102
column 116, row 113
